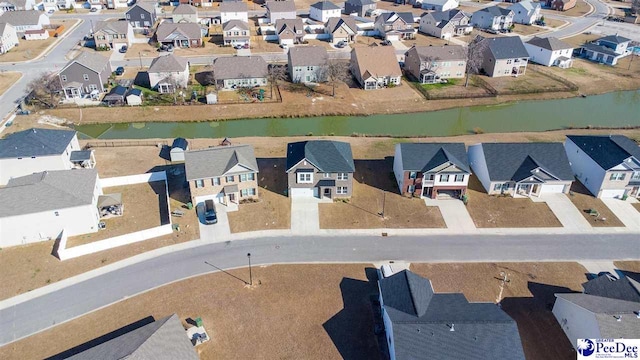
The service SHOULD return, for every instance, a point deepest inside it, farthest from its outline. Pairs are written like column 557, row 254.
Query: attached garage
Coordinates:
column 611, row 193
column 552, row 188
column 304, row 192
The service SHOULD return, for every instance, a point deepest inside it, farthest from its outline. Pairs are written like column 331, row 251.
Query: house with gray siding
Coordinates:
column 87, row 74
column 280, row 10
column 185, row 13
column 445, row 24
column 504, row 56
column 112, row 34
column 307, row 64
column 359, row 7
column 240, row 71
column 142, row 15
column 493, row 17
column 167, row 73
column 320, row 169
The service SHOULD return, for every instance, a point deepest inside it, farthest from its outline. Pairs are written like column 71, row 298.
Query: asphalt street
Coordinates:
column 37, row 314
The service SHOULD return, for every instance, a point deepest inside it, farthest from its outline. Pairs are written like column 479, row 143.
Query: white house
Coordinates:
column 445, row 24
column 25, row 20
column 40, row 206
column 41, row 34
column 521, row 169
column 323, row 10
column 8, row 37
column 608, row 166
column 607, row 50
column 307, row 64
column 48, row 5
column 35, row 150
column 550, row 52
column 439, row 5
column 525, row 12
column 233, row 10
column 168, row 72
column 64, row 4
column 492, row 17
column 18, row 5
column 280, row 10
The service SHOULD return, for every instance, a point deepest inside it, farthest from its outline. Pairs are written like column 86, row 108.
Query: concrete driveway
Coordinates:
column 305, row 217
column 624, row 210
column 219, row 232
column 567, row 213
column 116, row 55
column 455, row 215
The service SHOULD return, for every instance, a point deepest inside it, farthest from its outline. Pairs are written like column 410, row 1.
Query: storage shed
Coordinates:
column 212, row 98
column 179, row 146
column 134, row 97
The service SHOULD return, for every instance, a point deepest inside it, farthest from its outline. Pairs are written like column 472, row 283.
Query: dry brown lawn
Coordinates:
column 528, row 297
column 391, row 6
column 7, row 79
column 554, row 23
column 527, row 30
column 506, row 212
column 584, row 201
column 425, row 40
column 291, row 312
column 581, row 9
column 580, row 39
column 531, row 81
column 637, row 206
column 628, row 266
column 28, row 50
column 323, row 43
column 375, row 189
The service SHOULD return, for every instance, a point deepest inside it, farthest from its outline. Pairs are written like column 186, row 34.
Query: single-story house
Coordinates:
column 280, row 10
column 307, row 64
column 23, row 20
column 179, row 35
column 41, row 34
column 8, row 37
column 341, row 29
column 112, row 34
column 550, row 51
column 608, row 166
column 178, row 148
column 134, row 97
column 445, row 24
column 432, row 170
column 235, row 32
column 168, row 72
column 225, row 174
column 504, row 56
column 375, row 67
column 320, row 169
column 525, row 12
column 86, row 75
column 116, row 96
column 521, row 169
column 432, row 64
column 324, row 10
column 240, row 71
column 359, row 7
column 492, row 17
column 439, row 5
column 607, row 50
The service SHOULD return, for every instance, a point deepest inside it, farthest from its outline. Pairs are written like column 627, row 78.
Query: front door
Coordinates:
column 232, row 197
column 327, row 193
column 427, row 192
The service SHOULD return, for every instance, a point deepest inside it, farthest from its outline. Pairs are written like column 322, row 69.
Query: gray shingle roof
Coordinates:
column 406, row 16
column 496, row 10
column 185, row 9
column 167, row 63
column 216, row 161
column 440, row 53
column 235, row 23
column 445, row 15
column 599, row 48
column 166, row 31
column 445, row 326
column 335, row 22
column 296, row 25
column 360, row 2
column 614, row 39
column 550, row 43
column 21, row 17
column 233, row 6
column 90, row 60
column 507, row 47
column 163, row 339
column 376, row 60
column 240, row 67
column 328, row 156
column 517, row 161
column 426, row 156
column 112, row 27
column 325, row 5
column 607, row 151
column 281, row 6
column 601, row 305
column 308, row 56
column 622, row 289
column 47, row 191
column 35, row 142
column 146, row 6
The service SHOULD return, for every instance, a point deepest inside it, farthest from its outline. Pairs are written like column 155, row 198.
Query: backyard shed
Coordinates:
column 115, row 96
column 212, row 98
column 134, row 97
column 179, row 146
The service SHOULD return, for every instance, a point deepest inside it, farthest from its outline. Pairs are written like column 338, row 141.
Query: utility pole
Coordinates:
column 140, row 57
column 250, row 275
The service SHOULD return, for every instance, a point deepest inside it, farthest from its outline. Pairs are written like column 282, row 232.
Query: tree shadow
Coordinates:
column 377, row 173
column 102, row 339
column 352, row 329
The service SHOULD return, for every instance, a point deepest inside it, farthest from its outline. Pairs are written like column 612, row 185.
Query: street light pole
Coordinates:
column 250, row 275
column 140, row 58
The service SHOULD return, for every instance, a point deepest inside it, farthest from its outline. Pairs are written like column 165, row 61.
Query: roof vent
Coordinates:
column 617, row 317
column 638, row 314
column 451, row 328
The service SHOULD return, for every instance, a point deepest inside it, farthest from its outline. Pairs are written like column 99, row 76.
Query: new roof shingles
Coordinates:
column 622, row 289
column 607, row 151
column 168, row 63
column 426, row 156
column 217, row 161
column 508, row 161
column 507, row 47
column 327, row 156
column 240, row 67
column 308, row 56
column 35, row 142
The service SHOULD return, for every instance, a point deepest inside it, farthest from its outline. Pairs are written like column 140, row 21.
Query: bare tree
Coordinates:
column 275, row 73
column 635, row 7
column 335, row 72
column 44, row 89
column 475, row 55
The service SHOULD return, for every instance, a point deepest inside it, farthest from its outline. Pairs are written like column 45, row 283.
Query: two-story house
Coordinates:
column 493, row 17
column 87, row 74
column 341, row 29
column 550, row 51
column 167, row 73
column 236, row 32
column 525, row 12
column 8, row 37
column 320, row 169
column 608, row 166
column 142, row 15
column 359, row 7
column 445, row 24
column 307, row 64
column 35, row 150
column 395, row 26
column 521, row 169
column 375, row 67
column 240, row 71
column 280, row 10
column 323, row 10
column 561, row 5
column 23, row 20
column 439, row 5
column 606, row 50
column 233, row 10
column 112, row 34
column 504, row 56
column 432, row 64
column 185, row 13
column 225, row 174
column 184, row 35
column 290, row 31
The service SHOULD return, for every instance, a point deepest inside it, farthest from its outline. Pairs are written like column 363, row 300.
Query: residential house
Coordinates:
column 320, row 168
column 525, row 12
column 87, row 74
column 65, row 4
column 359, row 7
column 607, row 50
column 25, row 20
column 183, row 35
column 290, row 31
column 142, row 15
column 421, row 324
column 608, row 166
column 185, row 13
column 225, row 174
column 8, row 37
column 240, row 71
column 445, row 24
column 38, row 207
column 375, row 67
column 440, row 5
column 504, row 56
column 550, row 51
column 307, row 64
column 395, row 26
column 280, row 10
column 117, row 4
column 95, row 4
column 608, row 309
column 163, row 339
column 432, row 170
column 561, row 5
column 341, row 29
column 521, row 169
column 112, row 34
column 233, row 10
column 323, row 10
column 235, row 32
column 168, row 72
column 432, row 64
column 201, row 3
column 49, row 5
column 493, row 17
column 41, row 34
column 134, row 97
column 17, row 5
column 36, row 150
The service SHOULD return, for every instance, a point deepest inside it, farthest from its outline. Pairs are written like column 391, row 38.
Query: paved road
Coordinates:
column 32, row 316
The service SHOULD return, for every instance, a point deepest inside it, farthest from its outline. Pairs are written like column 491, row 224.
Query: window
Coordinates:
column 413, row 175
column 636, row 176
column 93, row 87
column 63, row 77
column 85, row 77
column 341, row 190
column 444, row 178
column 247, row 192
column 497, row 187
column 141, row 16
column 343, row 176
column 128, row 17
column 459, row 178
column 229, row 179
column 617, row 176
column 305, row 178
column 215, row 181
column 411, row 189
column 199, row 183
column 429, row 177
column 509, row 61
column 326, row 175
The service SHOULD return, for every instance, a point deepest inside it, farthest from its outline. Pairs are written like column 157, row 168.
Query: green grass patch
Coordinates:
column 439, row 85
column 579, row 71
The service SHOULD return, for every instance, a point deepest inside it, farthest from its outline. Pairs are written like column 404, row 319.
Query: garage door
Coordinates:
column 304, row 192
column 552, row 188
column 612, row 193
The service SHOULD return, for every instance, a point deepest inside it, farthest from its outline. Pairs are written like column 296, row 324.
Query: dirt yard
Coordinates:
column 28, row 50
column 375, row 190
column 7, row 79
column 294, row 312
column 528, row 30
column 506, row 212
column 583, row 200
column 637, row 206
column 631, row 267
column 531, row 81
column 527, row 297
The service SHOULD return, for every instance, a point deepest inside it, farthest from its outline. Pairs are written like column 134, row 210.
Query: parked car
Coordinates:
column 237, row 47
column 23, row 112
column 119, row 71
column 93, row 9
column 284, row 46
column 50, row 11
column 341, row 44
column 166, row 47
column 385, row 43
column 210, row 216
column 124, row 49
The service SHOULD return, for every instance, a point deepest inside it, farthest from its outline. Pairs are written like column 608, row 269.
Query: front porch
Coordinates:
column 527, row 189
column 229, row 197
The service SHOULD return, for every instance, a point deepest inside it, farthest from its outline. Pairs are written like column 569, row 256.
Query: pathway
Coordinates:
column 625, row 211
column 596, row 267
column 455, row 215
column 305, row 216
column 567, row 213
